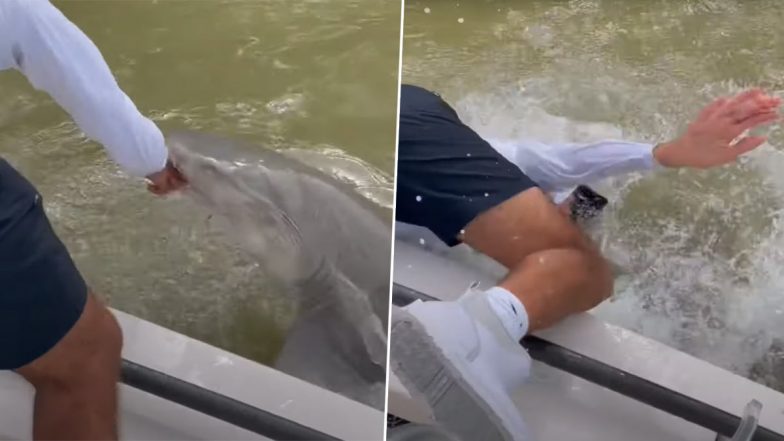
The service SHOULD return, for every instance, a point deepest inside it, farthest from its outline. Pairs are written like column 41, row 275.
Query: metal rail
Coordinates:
column 216, row 405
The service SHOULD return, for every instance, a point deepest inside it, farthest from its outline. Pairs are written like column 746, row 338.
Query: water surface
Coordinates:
column 703, row 249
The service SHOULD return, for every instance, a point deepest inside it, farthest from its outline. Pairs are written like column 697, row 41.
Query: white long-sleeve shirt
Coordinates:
column 57, row 58
column 558, row 168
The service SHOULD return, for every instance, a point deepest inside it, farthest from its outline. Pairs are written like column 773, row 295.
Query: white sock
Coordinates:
column 510, row 311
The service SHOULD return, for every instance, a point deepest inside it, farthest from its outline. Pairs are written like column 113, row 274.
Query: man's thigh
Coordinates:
column 42, row 295
column 447, row 174
column 522, row 225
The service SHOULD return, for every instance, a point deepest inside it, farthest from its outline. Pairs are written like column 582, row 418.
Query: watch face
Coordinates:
column 586, row 203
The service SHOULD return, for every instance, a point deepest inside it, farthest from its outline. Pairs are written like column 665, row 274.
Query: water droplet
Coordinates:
column 427, row 10
column 468, row 154
column 460, row 20
column 487, row 194
column 462, row 231
column 419, row 198
column 421, row 241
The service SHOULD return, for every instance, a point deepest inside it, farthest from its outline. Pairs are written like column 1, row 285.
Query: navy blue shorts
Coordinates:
column 42, row 294
column 446, row 173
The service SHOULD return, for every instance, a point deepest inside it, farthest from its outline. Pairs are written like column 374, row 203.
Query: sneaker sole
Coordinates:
column 424, row 370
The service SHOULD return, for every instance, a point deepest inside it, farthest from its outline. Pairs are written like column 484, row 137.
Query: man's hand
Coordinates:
column 715, row 137
column 166, row 181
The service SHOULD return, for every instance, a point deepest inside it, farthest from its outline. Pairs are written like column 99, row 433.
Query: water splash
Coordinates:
column 701, row 249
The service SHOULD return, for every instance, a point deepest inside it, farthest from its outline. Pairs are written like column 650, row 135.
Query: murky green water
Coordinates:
column 313, row 75
column 703, row 248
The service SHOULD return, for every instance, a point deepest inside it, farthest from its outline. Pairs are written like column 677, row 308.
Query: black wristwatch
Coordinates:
column 586, row 203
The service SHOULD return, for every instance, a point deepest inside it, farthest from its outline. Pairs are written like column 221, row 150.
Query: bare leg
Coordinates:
column 555, row 270
column 76, row 381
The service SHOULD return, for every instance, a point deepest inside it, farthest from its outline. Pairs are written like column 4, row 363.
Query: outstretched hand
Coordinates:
column 717, row 136
column 166, row 181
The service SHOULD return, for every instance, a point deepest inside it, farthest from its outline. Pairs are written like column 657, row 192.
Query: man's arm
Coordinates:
column 556, row 167
column 715, row 138
column 56, row 57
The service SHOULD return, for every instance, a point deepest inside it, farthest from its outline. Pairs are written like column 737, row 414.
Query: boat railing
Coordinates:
column 216, row 405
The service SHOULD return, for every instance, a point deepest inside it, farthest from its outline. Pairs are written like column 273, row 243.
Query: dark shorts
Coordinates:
column 447, row 174
column 42, row 294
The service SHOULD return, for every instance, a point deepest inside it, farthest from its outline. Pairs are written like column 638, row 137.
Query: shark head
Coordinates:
column 237, row 193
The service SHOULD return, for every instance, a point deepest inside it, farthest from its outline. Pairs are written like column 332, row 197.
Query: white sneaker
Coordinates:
column 458, row 358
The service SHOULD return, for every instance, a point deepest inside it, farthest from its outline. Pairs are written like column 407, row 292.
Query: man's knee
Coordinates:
column 89, row 353
column 101, row 352
column 111, row 342
column 601, row 270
